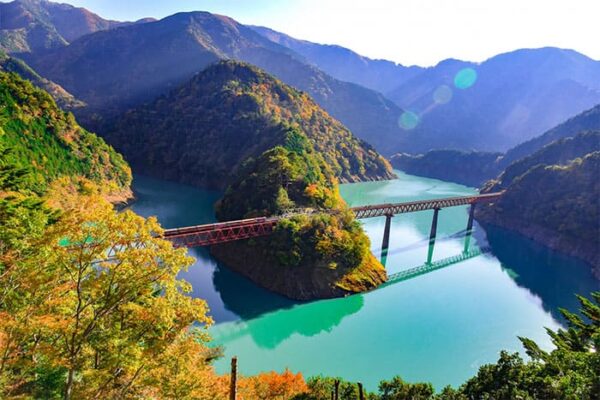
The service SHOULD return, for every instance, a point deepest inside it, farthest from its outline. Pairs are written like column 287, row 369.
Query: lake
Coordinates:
column 437, row 327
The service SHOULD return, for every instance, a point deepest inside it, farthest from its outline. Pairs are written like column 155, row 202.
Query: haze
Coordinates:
column 420, row 32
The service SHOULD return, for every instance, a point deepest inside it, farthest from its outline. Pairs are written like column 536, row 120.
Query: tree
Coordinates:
column 93, row 302
column 273, row 386
column 397, row 389
column 570, row 371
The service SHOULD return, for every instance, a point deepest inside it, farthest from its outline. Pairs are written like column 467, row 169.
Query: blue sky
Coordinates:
column 419, row 32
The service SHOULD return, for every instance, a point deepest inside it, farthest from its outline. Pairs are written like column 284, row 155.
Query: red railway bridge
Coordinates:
column 222, row 232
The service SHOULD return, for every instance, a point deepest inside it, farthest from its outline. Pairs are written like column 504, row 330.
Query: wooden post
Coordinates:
column 361, row 394
column 336, row 389
column 232, row 383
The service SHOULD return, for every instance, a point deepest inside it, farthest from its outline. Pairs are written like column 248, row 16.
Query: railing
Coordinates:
column 380, row 210
column 209, row 234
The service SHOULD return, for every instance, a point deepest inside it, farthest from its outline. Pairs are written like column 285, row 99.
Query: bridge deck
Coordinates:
column 221, row 232
column 379, row 210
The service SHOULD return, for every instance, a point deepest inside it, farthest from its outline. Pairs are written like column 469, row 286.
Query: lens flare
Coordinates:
column 408, row 120
column 465, row 78
column 442, row 95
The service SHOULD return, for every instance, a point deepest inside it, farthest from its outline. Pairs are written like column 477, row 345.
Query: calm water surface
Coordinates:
column 438, row 327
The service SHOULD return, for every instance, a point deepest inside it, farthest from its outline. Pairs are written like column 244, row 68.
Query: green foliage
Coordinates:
column 397, row 389
column 48, row 141
column 282, row 178
column 322, row 387
column 325, row 246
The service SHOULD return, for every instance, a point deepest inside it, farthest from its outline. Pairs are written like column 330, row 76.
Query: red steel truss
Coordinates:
column 222, row 232
column 206, row 235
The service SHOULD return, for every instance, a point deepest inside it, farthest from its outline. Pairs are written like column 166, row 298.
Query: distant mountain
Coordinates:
column 33, row 25
column 553, row 197
column 116, row 69
column 48, row 142
column 499, row 103
column 474, row 168
column 203, row 131
column 468, row 168
column 344, row 64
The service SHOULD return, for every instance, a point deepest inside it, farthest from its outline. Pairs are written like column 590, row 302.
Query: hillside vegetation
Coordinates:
column 202, row 132
column 38, row 136
column 468, row 168
column 552, row 196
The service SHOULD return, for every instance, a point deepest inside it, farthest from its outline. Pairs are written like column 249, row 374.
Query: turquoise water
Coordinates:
column 438, row 327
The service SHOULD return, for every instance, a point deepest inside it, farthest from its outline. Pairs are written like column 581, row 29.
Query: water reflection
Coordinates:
column 307, row 319
column 243, row 297
column 553, row 277
column 428, row 266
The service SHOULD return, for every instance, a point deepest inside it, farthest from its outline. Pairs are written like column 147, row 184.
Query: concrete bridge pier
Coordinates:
column 386, row 232
column 432, row 235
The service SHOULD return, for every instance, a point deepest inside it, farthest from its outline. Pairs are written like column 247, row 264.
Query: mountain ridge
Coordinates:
column 38, row 25
column 513, row 97
column 120, row 68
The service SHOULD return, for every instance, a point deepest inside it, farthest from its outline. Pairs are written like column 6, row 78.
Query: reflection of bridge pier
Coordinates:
column 469, row 228
column 433, row 266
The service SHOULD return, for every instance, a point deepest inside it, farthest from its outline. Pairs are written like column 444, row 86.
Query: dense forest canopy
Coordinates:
column 50, row 143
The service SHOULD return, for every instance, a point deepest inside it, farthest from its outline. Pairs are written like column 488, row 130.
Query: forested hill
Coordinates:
column 38, row 136
column 552, row 197
column 201, row 132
